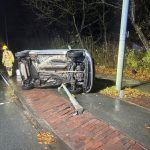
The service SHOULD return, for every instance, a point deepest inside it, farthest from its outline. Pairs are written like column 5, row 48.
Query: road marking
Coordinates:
column 4, row 103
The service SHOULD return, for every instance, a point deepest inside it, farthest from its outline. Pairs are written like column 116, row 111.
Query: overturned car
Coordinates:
column 52, row 67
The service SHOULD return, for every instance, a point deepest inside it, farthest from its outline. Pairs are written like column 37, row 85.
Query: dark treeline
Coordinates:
column 97, row 19
column 94, row 24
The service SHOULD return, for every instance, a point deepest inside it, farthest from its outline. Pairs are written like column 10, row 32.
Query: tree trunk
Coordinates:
column 79, row 36
column 137, row 28
column 104, row 28
column 140, row 35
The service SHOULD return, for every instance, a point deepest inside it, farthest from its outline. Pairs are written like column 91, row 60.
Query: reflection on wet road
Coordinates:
column 16, row 131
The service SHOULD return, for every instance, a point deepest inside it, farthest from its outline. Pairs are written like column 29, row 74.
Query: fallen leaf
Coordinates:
column 147, row 127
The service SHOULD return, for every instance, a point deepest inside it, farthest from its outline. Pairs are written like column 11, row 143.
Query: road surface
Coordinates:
column 16, row 131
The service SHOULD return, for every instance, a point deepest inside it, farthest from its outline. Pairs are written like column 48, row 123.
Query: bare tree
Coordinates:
column 60, row 11
column 84, row 17
column 137, row 27
column 80, row 15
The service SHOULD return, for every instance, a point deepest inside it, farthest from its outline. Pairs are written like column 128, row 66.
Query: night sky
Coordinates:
column 17, row 25
column 10, row 17
column 20, row 27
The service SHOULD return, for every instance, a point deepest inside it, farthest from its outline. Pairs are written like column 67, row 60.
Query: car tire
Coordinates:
column 77, row 90
column 27, row 86
column 75, row 54
column 21, row 54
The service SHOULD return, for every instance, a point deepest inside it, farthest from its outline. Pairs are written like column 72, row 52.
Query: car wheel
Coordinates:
column 75, row 54
column 74, row 90
column 19, row 54
column 22, row 54
column 27, row 86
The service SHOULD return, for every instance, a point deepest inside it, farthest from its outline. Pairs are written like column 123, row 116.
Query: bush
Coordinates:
column 146, row 60
column 134, row 59
column 131, row 60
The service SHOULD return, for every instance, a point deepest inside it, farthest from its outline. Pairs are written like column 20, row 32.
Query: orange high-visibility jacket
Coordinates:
column 8, row 58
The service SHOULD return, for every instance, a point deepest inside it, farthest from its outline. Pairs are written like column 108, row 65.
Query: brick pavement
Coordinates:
column 79, row 132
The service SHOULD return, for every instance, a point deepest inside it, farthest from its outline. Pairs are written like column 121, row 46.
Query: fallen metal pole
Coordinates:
column 4, row 79
column 77, row 106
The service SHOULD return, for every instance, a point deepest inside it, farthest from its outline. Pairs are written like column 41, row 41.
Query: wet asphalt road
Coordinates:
column 16, row 131
column 127, row 118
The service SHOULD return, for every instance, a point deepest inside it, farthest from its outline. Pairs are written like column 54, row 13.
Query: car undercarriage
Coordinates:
column 51, row 68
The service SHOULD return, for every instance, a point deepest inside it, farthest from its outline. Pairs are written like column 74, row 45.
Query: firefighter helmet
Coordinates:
column 4, row 47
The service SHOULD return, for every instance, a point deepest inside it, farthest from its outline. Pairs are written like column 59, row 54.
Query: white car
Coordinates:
column 52, row 67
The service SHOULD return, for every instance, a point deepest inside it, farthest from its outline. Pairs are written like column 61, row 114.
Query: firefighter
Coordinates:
column 7, row 59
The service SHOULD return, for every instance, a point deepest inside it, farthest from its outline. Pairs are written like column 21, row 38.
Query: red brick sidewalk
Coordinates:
column 79, row 132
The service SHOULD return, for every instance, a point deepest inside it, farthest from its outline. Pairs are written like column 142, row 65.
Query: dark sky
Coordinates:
column 6, row 4
column 9, row 11
column 19, row 27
